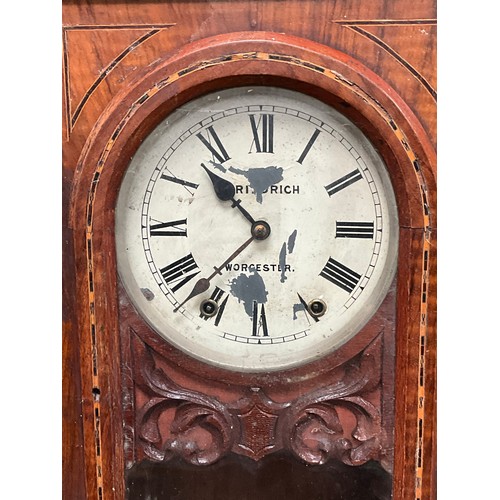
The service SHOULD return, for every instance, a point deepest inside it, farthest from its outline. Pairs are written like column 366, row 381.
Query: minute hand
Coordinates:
column 226, row 191
column 203, row 284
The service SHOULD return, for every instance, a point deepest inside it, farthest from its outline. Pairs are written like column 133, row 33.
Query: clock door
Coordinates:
column 253, row 218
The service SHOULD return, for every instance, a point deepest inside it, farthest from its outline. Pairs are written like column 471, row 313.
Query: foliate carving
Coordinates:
column 201, row 434
column 318, row 434
column 200, row 429
column 337, row 421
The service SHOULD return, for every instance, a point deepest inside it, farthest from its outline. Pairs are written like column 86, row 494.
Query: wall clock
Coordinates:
column 252, row 217
column 256, row 229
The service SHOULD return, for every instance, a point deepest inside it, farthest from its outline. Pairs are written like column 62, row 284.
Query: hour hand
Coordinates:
column 225, row 191
column 223, row 188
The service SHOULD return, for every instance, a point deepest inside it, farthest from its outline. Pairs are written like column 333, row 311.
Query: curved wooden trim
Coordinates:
column 238, row 59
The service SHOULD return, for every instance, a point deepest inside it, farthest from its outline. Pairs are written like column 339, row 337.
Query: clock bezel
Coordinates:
column 299, row 354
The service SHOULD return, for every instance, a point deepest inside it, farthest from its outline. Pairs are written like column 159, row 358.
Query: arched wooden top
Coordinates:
column 266, row 58
column 234, row 60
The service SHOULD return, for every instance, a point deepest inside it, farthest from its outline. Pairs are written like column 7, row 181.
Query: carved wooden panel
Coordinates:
column 334, row 421
column 128, row 400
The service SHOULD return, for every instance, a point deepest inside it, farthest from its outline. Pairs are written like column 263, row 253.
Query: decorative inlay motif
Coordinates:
column 73, row 113
column 358, row 26
column 258, row 431
column 258, row 417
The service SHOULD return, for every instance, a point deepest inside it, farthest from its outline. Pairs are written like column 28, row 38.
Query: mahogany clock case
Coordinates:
column 129, row 358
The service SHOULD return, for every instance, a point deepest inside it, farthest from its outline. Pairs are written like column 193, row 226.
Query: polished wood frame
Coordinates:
column 232, row 60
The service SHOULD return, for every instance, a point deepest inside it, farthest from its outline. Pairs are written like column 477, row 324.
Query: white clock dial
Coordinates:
column 196, row 194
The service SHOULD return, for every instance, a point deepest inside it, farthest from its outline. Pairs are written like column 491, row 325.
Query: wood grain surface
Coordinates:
column 115, row 52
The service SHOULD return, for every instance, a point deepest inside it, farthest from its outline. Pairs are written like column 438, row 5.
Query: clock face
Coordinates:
column 256, row 229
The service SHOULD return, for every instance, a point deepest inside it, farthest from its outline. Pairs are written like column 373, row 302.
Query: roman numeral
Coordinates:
column 309, row 146
column 217, row 296
column 340, row 275
column 343, row 182
column 263, row 133
column 177, row 272
column 217, row 149
column 176, row 180
column 259, row 323
column 179, row 228
column 354, row 230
